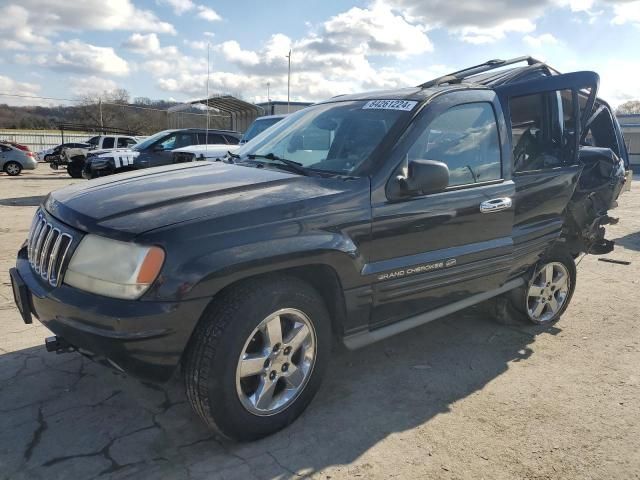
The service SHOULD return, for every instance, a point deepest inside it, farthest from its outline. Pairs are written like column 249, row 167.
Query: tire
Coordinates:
column 234, row 325
column 13, row 169
column 545, row 296
column 74, row 170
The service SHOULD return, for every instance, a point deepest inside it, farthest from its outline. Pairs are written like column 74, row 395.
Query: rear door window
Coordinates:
column 543, row 130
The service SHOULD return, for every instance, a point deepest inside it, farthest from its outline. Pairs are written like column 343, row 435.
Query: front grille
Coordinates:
column 47, row 248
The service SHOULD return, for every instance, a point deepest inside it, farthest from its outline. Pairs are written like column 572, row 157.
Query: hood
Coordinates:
column 128, row 204
column 108, row 152
column 208, row 151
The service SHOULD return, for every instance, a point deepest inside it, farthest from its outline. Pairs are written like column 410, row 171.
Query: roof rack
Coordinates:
column 457, row 77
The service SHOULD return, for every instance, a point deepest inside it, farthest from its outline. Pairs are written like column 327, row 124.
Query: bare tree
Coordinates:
column 632, row 106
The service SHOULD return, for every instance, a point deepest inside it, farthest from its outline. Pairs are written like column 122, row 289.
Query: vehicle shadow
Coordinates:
column 630, row 241
column 63, row 413
column 22, row 201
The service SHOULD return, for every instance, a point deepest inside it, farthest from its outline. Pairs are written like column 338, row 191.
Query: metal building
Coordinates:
column 239, row 114
column 282, row 108
column 630, row 125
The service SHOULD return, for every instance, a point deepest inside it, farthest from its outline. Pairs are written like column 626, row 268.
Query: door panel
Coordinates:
column 438, row 249
column 546, row 122
column 431, row 250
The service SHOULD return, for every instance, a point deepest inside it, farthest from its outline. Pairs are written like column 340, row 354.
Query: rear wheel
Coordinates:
column 12, row 168
column 257, row 357
column 546, row 295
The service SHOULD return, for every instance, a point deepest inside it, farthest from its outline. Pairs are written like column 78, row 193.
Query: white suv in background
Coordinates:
column 112, row 141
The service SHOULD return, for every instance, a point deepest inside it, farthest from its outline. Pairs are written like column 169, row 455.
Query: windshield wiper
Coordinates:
column 295, row 166
column 230, row 156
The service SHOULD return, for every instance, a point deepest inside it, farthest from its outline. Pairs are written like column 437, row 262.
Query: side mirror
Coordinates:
column 424, row 177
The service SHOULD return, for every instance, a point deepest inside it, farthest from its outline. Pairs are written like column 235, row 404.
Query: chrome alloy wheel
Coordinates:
column 548, row 292
column 276, row 362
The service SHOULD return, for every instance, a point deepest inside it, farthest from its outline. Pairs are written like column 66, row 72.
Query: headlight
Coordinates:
column 113, row 268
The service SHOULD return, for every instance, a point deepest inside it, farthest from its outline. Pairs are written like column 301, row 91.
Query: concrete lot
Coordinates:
column 460, row 398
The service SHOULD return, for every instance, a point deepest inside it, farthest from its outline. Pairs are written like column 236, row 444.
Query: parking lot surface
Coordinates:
column 459, row 398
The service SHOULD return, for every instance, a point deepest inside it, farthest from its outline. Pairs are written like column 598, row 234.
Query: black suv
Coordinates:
column 358, row 218
column 153, row 151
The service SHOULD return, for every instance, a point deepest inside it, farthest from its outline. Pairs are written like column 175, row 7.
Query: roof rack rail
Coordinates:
column 457, row 77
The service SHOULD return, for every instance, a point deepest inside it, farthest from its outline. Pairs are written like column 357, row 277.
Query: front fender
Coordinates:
column 206, row 275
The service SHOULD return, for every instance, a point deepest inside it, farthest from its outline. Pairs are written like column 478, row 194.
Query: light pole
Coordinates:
column 268, row 98
column 289, row 81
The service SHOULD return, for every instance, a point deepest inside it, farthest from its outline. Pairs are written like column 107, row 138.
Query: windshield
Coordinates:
column 333, row 137
column 150, row 140
column 259, row 126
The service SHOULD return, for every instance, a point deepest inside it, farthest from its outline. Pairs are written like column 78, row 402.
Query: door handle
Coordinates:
column 495, row 205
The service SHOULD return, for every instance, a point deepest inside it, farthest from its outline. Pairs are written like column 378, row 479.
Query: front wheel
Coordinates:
column 257, row 357
column 74, row 170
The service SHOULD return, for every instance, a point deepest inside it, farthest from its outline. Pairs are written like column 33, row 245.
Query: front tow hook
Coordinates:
column 58, row 345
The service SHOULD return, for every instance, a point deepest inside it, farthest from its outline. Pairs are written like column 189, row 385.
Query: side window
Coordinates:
column 124, row 142
column 543, row 129
column 108, row 142
column 169, row 142
column 231, row 140
column 93, row 141
column 464, row 137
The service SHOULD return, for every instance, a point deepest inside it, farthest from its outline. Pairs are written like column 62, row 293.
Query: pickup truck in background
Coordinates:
column 355, row 219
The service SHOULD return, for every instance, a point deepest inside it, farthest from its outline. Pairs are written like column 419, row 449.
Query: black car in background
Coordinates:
column 153, row 151
column 356, row 218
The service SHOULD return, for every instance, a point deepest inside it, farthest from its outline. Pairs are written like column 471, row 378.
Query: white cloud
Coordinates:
column 141, row 43
column 616, row 88
column 539, row 41
column 92, row 85
column 148, row 45
column 18, row 32
column 11, row 86
column 334, row 58
column 77, row 56
column 179, row 6
column 628, row 12
column 34, row 22
column 196, row 44
column 207, row 13
column 482, row 35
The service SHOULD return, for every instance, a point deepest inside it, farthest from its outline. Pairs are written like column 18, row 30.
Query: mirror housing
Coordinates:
column 424, row 177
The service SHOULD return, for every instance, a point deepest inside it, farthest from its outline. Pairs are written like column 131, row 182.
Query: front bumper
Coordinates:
column 143, row 338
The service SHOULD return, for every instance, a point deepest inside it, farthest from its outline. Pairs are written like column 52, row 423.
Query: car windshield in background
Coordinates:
column 333, row 137
column 259, row 126
column 150, row 140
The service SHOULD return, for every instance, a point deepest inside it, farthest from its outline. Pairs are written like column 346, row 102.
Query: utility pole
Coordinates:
column 206, row 136
column 289, row 82
column 268, row 97
column 100, row 110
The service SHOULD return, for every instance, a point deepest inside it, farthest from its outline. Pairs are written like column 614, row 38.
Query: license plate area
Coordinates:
column 21, row 295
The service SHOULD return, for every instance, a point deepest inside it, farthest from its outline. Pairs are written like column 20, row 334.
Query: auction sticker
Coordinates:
column 405, row 105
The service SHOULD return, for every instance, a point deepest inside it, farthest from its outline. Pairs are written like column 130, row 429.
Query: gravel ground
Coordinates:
column 462, row 397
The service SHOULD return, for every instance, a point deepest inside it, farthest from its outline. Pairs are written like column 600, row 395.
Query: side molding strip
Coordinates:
column 362, row 339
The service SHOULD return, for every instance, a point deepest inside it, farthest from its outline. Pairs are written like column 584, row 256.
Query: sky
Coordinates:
column 158, row 48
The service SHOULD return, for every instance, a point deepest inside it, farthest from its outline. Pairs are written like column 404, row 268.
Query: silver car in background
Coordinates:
column 14, row 159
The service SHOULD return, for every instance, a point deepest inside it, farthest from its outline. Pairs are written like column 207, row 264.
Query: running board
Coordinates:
column 362, row 339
